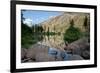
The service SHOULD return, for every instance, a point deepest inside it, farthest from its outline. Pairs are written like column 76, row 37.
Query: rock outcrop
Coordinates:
column 80, row 47
column 23, row 53
column 35, row 50
column 42, row 53
column 43, row 57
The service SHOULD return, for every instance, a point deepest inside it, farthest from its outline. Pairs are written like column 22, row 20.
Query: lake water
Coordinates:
column 58, row 53
column 55, row 41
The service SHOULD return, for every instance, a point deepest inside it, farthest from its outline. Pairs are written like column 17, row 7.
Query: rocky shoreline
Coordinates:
column 80, row 50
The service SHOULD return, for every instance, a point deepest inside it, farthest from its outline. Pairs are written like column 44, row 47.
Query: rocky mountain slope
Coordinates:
column 62, row 22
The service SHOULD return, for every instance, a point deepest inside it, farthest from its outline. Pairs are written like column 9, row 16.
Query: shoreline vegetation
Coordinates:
column 40, row 44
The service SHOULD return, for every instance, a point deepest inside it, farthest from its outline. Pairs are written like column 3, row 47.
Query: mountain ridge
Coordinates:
column 62, row 22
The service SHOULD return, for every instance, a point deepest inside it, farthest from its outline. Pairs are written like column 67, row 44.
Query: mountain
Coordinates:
column 62, row 22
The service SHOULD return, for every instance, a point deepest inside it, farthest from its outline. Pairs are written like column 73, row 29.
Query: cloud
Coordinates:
column 28, row 22
column 52, row 16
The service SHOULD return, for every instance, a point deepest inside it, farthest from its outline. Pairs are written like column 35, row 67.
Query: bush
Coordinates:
column 72, row 33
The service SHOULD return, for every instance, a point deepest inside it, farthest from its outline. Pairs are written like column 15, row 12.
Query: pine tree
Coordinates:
column 86, row 23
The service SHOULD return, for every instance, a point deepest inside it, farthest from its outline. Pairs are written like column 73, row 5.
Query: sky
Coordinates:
column 33, row 17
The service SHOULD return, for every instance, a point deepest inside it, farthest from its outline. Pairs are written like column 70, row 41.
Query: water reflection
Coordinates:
column 54, row 41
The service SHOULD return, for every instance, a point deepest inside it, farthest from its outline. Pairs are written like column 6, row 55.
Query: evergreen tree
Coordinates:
column 22, row 17
column 85, row 23
column 72, row 23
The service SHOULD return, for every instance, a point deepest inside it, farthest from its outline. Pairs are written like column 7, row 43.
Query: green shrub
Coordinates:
column 72, row 33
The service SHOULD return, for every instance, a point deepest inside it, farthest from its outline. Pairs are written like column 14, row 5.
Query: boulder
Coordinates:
column 79, row 47
column 86, row 54
column 35, row 50
column 43, row 57
column 23, row 53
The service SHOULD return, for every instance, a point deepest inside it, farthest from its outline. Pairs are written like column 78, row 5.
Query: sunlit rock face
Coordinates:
column 62, row 22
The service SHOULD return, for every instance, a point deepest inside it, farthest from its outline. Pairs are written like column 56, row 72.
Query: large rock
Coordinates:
column 23, row 53
column 80, row 47
column 43, row 57
column 35, row 50
column 86, row 54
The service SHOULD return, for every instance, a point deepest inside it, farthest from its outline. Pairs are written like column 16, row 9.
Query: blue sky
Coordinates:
column 36, row 17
